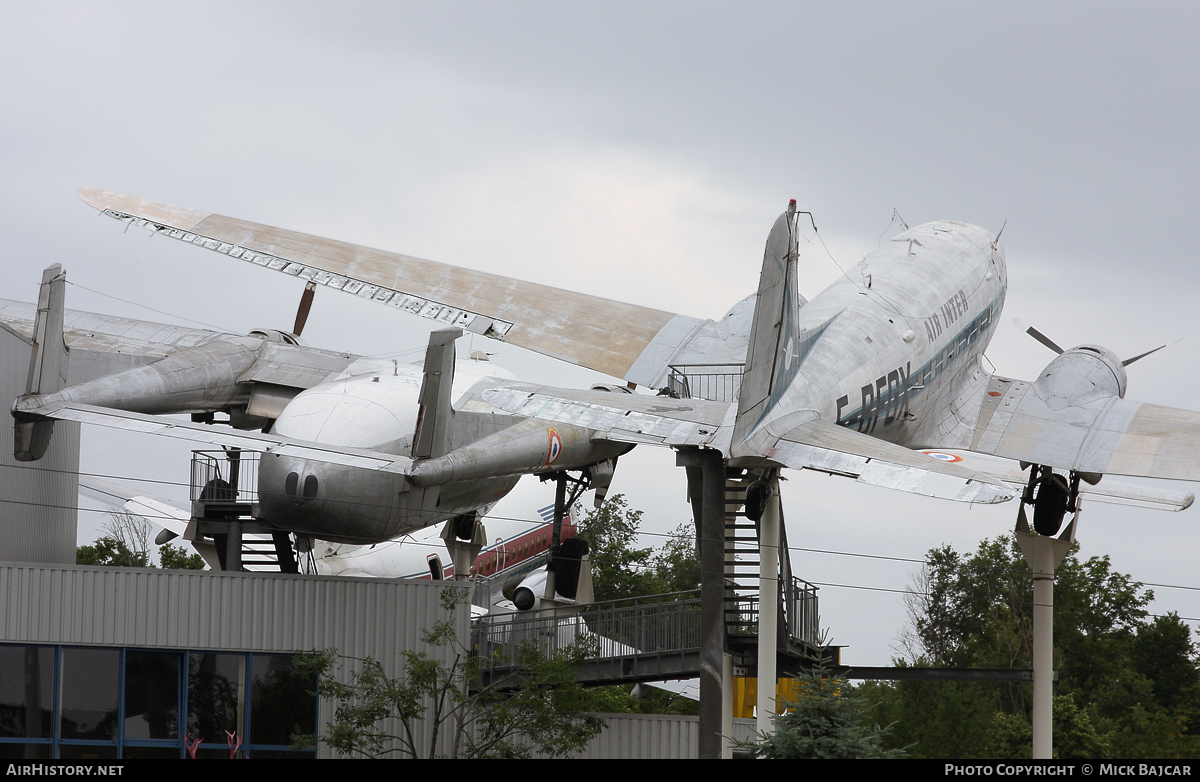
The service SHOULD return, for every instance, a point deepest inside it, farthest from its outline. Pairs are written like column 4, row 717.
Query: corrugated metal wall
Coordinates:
column 654, row 737
column 255, row 612
column 274, row 613
column 38, row 500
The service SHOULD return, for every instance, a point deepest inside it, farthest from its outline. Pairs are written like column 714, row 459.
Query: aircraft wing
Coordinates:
column 623, row 340
column 809, row 444
column 1107, row 435
column 626, row 418
column 103, row 344
column 1108, row 490
column 159, row 510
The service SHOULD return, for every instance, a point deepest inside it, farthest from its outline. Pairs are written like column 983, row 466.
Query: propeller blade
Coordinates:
column 1129, row 361
column 306, row 300
column 1039, row 336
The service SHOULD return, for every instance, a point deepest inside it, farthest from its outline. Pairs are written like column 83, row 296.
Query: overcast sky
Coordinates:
column 638, row 151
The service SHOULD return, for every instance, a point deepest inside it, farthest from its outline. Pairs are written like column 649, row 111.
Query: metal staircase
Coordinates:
column 799, row 626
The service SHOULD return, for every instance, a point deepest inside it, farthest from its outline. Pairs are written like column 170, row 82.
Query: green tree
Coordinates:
column 177, row 558
column 542, row 709
column 1128, row 684
column 126, row 543
column 620, row 569
column 106, row 550
column 828, row 720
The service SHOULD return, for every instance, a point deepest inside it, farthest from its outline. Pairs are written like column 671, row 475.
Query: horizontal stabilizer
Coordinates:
column 254, row 441
column 158, row 510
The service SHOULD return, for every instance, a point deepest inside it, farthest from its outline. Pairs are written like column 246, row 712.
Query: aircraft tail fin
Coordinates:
column 774, row 316
column 47, row 364
column 432, row 438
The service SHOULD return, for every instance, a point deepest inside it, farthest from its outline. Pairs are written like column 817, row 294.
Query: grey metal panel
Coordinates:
column 1104, row 435
column 108, row 333
column 295, row 366
column 653, row 737
column 38, row 500
column 177, row 609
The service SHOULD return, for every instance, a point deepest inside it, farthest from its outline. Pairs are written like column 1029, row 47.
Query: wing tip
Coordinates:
column 154, row 211
column 93, row 197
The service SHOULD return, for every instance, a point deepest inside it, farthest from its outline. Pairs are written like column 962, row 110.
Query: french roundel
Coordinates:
column 945, row 457
column 555, row 445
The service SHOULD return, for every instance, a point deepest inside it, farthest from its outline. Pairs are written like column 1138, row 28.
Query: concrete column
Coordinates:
column 768, row 609
column 727, row 706
column 706, row 487
column 1043, row 555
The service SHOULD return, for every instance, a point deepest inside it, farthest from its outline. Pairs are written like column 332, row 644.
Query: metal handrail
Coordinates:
column 684, row 382
column 619, row 628
column 211, row 469
column 652, row 625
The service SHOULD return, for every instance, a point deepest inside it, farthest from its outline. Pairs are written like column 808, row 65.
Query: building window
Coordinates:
column 89, row 703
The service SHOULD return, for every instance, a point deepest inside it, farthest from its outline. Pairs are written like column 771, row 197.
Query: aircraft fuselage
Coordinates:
column 891, row 346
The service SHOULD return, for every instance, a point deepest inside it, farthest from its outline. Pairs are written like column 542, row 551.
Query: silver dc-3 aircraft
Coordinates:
column 877, row 378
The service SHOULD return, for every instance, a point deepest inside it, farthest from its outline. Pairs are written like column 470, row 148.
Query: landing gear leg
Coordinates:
column 1055, row 495
column 561, row 504
column 464, row 537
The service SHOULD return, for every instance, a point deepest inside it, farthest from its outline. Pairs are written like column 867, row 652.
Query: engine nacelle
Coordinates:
column 1081, row 375
column 528, row 595
column 275, row 335
column 568, row 571
column 529, row 447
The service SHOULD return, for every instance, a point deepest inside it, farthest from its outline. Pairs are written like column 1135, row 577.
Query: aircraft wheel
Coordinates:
column 464, row 526
column 757, row 495
column 1051, row 505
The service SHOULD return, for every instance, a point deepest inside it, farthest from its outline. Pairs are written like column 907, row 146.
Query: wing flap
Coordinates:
column 818, row 445
column 589, row 331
